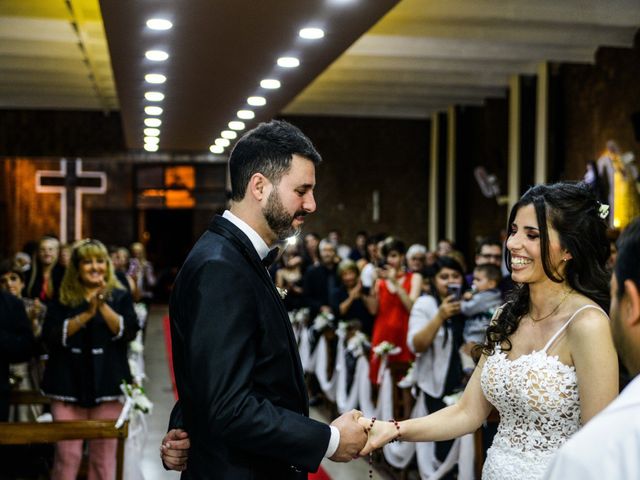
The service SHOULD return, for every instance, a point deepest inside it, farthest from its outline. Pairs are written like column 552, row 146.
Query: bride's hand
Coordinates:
column 378, row 436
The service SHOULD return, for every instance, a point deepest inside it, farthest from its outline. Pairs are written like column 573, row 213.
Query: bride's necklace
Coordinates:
column 557, row 307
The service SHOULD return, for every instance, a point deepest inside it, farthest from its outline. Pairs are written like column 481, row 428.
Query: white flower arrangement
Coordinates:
column 136, row 346
column 410, row 377
column 386, row 348
column 136, row 402
column 603, row 210
column 342, row 329
column 357, row 343
column 138, row 396
column 322, row 321
column 299, row 317
column 452, row 399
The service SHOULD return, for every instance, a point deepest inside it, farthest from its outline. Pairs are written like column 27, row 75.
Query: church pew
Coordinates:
column 26, row 433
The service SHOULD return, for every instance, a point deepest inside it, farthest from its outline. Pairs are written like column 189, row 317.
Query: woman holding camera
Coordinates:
column 435, row 336
column 87, row 331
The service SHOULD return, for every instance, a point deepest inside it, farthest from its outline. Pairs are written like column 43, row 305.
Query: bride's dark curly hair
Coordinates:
column 572, row 210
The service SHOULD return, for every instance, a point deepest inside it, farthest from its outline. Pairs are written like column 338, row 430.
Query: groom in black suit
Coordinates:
column 243, row 399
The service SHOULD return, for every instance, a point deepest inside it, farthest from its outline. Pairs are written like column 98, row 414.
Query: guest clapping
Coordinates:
column 87, row 331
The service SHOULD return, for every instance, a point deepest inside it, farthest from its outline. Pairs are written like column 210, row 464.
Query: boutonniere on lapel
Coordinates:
column 282, row 292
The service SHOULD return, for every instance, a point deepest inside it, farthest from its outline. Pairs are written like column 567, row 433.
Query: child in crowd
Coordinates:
column 479, row 304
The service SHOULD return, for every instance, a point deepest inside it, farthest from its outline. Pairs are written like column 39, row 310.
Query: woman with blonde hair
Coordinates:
column 87, row 331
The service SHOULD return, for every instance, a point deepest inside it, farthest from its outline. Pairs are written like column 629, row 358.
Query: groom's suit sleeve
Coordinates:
column 221, row 355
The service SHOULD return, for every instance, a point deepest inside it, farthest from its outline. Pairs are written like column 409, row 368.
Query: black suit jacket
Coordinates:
column 17, row 343
column 242, row 394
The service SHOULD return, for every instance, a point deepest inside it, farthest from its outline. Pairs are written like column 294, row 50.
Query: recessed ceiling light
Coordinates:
column 270, row 83
column 246, row 114
column 257, row 101
column 159, row 24
column 222, row 142
column 151, row 132
column 155, row 78
column 216, row 149
column 230, row 134
column 153, row 110
column 288, row 62
column 236, row 125
column 150, row 147
column 152, row 122
column 156, row 55
column 151, row 140
column 311, row 33
column 154, row 96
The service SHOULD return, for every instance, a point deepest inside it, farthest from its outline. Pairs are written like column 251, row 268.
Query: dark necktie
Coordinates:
column 271, row 257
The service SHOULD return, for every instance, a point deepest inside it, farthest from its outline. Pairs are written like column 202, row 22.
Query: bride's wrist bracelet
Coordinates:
column 397, row 425
column 373, row 420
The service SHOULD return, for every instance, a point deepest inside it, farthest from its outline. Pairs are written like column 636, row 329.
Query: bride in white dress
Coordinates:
column 549, row 364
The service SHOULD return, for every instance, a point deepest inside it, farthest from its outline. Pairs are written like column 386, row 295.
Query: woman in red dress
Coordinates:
column 394, row 293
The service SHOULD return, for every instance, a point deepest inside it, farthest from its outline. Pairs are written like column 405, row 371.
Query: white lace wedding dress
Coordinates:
column 537, row 398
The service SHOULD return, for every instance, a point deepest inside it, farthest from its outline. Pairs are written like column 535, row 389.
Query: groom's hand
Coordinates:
column 353, row 436
column 174, row 450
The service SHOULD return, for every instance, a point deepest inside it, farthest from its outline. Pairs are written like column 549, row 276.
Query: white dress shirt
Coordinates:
column 263, row 250
column 608, row 447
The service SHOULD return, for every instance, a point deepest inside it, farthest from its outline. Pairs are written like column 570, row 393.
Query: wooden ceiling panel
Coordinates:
column 470, row 44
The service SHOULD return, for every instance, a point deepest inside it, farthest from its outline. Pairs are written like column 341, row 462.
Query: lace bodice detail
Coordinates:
column 539, row 405
column 537, row 398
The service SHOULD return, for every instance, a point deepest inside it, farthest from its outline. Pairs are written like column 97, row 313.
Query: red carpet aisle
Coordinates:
column 167, row 343
column 320, row 475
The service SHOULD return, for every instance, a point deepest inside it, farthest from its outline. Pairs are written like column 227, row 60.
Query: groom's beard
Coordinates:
column 278, row 219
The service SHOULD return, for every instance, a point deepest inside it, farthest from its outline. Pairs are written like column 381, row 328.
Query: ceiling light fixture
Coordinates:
column 288, row 62
column 311, row 33
column 150, row 147
column 159, row 24
column 236, row 125
column 229, row 134
column 151, row 132
column 153, row 110
column 270, row 83
column 156, row 55
column 154, row 96
column 257, row 101
column 155, row 78
column 216, row 149
column 151, row 140
column 222, row 142
column 245, row 114
column 152, row 122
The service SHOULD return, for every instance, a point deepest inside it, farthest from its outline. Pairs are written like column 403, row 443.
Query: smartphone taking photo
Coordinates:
column 455, row 290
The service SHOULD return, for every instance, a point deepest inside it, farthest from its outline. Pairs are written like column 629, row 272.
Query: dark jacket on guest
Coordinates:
column 357, row 310
column 57, row 273
column 17, row 343
column 89, row 366
column 318, row 283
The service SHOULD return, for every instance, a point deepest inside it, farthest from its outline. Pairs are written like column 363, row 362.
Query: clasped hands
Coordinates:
column 97, row 299
column 359, row 435
column 357, row 439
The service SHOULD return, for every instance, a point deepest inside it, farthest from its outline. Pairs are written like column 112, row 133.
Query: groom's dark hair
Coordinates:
column 628, row 260
column 267, row 149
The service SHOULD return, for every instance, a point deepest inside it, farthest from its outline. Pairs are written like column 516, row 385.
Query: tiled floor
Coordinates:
column 159, row 390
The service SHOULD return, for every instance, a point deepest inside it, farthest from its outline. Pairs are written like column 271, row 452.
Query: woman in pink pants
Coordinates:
column 87, row 331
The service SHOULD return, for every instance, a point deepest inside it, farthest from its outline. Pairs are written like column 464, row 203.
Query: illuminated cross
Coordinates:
column 71, row 185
